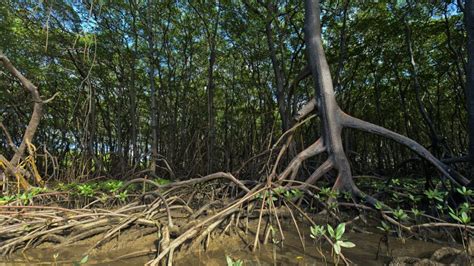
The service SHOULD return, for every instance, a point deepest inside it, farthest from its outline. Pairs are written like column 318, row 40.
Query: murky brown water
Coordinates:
column 291, row 253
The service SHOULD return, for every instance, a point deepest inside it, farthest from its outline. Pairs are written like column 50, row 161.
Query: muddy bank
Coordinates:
column 136, row 247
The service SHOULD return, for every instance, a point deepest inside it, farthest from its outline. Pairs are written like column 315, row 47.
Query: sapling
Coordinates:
column 338, row 241
column 317, row 233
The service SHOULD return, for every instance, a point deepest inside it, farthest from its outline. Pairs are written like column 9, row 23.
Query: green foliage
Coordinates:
column 378, row 205
column 434, row 194
column 400, row 215
column 337, row 236
column 384, row 227
column 417, row 212
column 461, row 216
column 162, row 181
column 85, row 190
column 122, row 195
column 232, row 262
column 110, row 48
column 113, row 185
column 82, row 261
column 465, row 192
column 293, row 194
column 317, row 231
column 6, row 199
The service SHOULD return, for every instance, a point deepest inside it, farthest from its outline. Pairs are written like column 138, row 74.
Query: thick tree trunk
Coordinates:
column 328, row 108
column 333, row 120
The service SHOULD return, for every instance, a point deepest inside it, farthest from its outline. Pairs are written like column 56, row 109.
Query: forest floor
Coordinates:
column 135, row 248
column 138, row 245
column 209, row 221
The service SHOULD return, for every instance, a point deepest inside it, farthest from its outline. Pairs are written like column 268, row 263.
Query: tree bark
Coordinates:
column 326, row 101
column 469, row 21
column 34, row 120
column 153, row 115
column 333, row 120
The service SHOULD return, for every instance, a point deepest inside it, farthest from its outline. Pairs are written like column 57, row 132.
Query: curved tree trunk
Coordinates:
column 333, row 119
column 329, row 111
column 32, row 125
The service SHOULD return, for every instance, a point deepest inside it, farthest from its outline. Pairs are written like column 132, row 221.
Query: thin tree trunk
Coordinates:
column 436, row 140
column 469, row 21
column 153, row 115
column 133, row 92
column 210, row 104
column 34, row 120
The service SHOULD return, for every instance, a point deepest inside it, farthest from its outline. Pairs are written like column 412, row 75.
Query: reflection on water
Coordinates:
column 291, row 253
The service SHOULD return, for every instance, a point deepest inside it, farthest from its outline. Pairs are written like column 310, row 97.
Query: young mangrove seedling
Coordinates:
column 231, row 262
column 338, row 241
column 317, row 233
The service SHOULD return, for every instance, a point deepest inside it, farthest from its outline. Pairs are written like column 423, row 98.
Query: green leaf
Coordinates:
column 337, row 247
column 84, row 259
column 455, row 217
column 331, row 231
column 465, row 218
column 347, row 244
column 341, row 228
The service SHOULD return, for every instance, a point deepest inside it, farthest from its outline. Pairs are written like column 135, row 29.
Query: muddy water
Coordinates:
column 291, row 253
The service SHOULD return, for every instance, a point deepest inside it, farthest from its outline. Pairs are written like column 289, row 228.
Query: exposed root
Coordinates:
column 292, row 169
column 352, row 122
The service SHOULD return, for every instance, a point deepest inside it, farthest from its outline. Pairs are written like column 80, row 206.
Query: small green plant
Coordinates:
column 113, row 185
column 232, row 262
column 417, row 213
column 328, row 193
column 162, row 181
column 395, row 182
column 55, row 258
column 273, row 232
column 338, row 240
column 122, row 195
column 401, row 216
column 279, row 190
column 25, row 197
column 85, row 190
column 6, row 199
column 317, row 233
column 384, row 227
column 463, row 217
column 82, row 261
column 434, row 194
column 384, row 238
column 269, row 196
column 465, row 192
column 378, row 205
column 414, row 199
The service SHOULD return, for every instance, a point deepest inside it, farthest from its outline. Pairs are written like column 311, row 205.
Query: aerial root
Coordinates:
column 292, row 169
column 67, row 226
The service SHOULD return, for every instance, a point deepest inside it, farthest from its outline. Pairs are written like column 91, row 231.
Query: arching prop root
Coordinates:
column 22, row 227
column 333, row 120
column 344, row 181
